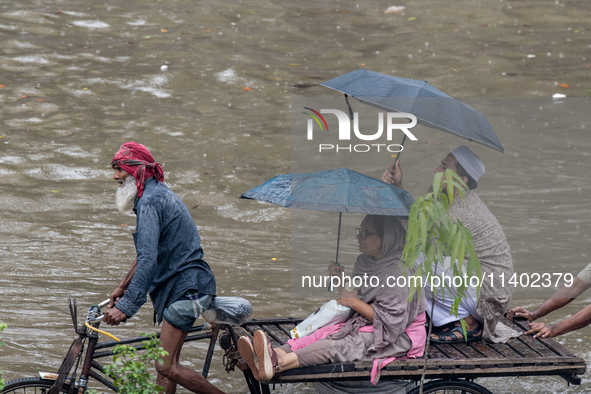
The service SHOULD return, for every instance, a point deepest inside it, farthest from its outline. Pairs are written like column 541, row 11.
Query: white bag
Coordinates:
column 330, row 313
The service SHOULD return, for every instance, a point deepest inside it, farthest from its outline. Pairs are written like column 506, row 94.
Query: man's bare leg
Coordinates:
column 172, row 341
column 168, row 385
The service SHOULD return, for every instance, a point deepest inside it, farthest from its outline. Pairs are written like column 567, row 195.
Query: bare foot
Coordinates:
column 458, row 334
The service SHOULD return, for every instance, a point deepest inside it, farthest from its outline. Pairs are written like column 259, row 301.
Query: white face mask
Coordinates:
column 126, row 194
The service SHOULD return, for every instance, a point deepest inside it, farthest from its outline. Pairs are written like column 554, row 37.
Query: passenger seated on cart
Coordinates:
column 481, row 314
column 385, row 325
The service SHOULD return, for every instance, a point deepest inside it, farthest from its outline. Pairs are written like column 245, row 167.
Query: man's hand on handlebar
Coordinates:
column 114, row 316
column 116, row 295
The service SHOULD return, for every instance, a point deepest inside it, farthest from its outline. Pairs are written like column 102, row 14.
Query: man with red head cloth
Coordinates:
column 169, row 264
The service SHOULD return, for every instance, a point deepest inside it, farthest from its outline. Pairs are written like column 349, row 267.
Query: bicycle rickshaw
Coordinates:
column 451, row 367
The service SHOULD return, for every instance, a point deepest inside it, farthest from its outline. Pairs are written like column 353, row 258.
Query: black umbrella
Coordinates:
column 432, row 107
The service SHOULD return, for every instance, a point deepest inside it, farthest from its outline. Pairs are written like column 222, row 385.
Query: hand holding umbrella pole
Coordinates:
column 336, row 262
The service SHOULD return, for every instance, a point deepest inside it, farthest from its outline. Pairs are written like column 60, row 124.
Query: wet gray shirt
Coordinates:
column 169, row 254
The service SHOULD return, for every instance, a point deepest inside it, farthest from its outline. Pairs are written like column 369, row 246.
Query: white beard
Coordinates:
column 126, row 194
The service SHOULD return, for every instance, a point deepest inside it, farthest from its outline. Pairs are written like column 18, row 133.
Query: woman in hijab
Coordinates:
column 382, row 325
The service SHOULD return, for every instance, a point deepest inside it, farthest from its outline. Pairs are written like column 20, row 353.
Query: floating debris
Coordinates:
column 394, row 9
column 163, row 68
column 303, row 85
column 91, row 24
column 557, row 96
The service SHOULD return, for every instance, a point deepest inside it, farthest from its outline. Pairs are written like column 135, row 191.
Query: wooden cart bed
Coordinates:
column 523, row 356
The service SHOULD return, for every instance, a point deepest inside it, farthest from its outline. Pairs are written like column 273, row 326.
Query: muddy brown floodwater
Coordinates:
column 79, row 78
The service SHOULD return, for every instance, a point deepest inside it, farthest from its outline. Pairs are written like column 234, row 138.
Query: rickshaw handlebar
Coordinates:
column 92, row 318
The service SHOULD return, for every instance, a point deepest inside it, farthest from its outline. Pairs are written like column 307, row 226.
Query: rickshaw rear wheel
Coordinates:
column 450, row 387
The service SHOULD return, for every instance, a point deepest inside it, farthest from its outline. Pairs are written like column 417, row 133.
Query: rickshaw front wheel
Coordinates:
column 30, row 386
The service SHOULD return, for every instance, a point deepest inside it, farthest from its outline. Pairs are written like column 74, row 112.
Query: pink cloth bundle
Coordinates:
column 416, row 332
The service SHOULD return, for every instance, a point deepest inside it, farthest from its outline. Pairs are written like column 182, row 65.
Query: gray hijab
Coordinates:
column 393, row 312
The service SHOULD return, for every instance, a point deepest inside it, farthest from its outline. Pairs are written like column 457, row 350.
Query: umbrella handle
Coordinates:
column 350, row 109
column 399, row 153
column 337, row 258
column 396, row 160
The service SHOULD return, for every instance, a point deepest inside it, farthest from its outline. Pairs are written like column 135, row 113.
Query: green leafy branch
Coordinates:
column 434, row 232
column 2, row 327
column 130, row 371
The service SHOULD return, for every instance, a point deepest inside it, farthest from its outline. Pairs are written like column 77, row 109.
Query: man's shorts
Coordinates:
column 183, row 312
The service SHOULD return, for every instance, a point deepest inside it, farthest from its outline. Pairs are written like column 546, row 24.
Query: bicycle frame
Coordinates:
column 90, row 366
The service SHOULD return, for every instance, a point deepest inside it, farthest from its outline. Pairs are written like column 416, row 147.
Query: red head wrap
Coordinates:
column 136, row 160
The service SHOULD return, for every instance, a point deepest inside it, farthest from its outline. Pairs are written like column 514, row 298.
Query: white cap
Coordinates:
column 468, row 159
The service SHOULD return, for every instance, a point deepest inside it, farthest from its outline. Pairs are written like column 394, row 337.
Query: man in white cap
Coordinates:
column 482, row 315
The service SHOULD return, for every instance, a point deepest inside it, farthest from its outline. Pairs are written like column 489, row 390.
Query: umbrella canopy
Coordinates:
column 431, row 106
column 340, row 190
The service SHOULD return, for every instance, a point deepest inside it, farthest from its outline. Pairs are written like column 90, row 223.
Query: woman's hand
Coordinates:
column 335, row 270
column 348, row 298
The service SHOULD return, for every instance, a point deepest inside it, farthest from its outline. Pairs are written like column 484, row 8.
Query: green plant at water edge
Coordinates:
column 434, row 232
column 129, row 369
column 2, row 327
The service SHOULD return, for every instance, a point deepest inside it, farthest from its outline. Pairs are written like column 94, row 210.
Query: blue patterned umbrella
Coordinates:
column 340, row 190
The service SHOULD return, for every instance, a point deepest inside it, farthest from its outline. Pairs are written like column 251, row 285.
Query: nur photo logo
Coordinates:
column 347, row 131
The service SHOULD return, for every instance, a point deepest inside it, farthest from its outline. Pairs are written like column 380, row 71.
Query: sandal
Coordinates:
column 443, row 332
column 248, row 354
column 268, row 363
